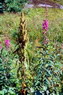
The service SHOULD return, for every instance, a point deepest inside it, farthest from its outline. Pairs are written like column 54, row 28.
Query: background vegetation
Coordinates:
column 11, row 5
column 9, row 25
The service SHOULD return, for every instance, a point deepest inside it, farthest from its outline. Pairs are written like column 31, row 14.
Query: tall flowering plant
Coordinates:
column 45, row 26
column 47, row 69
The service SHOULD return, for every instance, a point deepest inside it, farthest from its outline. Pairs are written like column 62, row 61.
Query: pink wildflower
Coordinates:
column 7, row 43
column 0, row 47
column 45, row 25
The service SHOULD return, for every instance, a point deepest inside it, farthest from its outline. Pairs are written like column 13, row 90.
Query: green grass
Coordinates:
column 9, row 24
column 55, row 17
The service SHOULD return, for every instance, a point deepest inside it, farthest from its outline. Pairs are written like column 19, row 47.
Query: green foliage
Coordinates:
column 61, row 84
column 11, row 5
column 8, row 78
column 47, row 70
column 14, row 5
column 1, row 7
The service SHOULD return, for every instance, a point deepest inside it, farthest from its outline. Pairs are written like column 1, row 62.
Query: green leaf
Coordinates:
column 2, row 92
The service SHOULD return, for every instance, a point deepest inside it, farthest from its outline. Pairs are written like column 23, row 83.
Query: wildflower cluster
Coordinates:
column 45, row 25
column 6, row 43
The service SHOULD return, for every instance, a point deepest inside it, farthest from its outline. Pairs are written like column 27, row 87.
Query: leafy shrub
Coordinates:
column 14, row 5
column 47, row 70
column 1, row 7
column 8, row 78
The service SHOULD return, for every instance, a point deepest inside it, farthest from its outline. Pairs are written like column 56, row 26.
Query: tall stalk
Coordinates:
column 22, row 46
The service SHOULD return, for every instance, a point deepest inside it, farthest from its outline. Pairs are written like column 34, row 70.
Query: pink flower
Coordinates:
column 0, row 47
column 7, row 43
column 45, row 25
